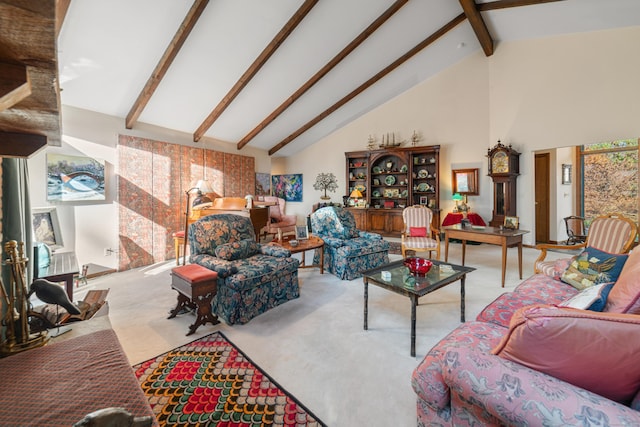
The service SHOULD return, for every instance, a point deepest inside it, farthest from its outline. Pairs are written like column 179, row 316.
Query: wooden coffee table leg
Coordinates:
column 462, row 308
column 414, row 303
column 321, row 259
column 366, row 301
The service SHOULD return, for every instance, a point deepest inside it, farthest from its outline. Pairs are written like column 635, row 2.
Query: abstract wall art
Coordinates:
column 288, row 187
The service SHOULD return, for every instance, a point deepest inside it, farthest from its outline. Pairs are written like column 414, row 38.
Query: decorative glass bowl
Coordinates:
column 418, row 266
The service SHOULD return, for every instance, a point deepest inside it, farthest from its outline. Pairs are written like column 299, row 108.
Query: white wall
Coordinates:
column 536, row 95
column 90, row 227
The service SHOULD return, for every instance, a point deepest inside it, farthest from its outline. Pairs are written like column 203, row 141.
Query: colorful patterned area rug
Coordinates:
column 211, row 382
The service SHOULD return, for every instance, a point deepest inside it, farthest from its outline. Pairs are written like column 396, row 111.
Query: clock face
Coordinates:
column 500, row 162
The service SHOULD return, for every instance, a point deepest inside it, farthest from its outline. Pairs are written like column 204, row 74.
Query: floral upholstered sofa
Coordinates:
column 347, row 250
column 542, row 355
column 252, row 277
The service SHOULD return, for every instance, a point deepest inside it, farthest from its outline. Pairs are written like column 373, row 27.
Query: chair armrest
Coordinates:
column 369, row 235
column 332, row 241
column 435, row 231
column 543, row 247
column 272, row 249
column 222, row 267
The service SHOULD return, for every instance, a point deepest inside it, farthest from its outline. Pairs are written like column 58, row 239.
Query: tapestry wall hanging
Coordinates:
column 288, row 187
column 74, row 178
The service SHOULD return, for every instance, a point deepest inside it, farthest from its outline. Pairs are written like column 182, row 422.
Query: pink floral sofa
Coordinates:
column 540, row 356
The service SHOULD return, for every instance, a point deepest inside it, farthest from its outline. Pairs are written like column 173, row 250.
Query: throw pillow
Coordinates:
column 625, row 294
column 237, row 250
column 418, row 231
column 578, row 347
column 592, row 267
column 593, row 298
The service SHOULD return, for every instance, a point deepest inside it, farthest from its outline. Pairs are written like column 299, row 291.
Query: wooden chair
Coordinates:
column 612, row 233
column 576, row 230
column 419, row 234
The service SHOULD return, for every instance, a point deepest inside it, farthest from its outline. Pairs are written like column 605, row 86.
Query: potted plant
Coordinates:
column 326, row 181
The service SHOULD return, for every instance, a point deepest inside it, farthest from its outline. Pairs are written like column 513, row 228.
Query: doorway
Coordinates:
column 542, row 196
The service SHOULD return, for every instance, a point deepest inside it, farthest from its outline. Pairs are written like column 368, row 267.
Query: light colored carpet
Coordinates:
column 315, row 346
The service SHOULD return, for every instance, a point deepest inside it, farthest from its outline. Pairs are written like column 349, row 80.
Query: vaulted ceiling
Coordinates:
column 282, row 74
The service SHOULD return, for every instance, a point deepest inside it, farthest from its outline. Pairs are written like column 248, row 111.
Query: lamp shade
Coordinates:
column 457, row 197
column 204, row 186
column 355, row 194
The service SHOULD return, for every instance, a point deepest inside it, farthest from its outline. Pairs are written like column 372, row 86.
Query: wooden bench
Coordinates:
column 196, row 287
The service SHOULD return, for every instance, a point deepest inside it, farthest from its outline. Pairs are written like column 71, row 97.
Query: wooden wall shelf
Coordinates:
column 390, row 180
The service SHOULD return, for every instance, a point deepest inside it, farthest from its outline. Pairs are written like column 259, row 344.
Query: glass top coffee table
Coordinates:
column 402, row 282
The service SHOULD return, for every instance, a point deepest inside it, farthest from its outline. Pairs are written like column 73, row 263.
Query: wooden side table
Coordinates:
column 196, row 287
column 62, row 268
column 313, row 242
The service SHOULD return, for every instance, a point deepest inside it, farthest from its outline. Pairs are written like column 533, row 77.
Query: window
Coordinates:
column 609, row 178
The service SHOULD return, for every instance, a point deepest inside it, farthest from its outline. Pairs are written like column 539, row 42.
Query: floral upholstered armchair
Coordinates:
column 252, row 277
column 347, row 250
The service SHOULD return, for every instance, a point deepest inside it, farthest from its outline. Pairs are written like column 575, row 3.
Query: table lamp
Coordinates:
column 203, row 188
column 355, row 195
column 457, row 197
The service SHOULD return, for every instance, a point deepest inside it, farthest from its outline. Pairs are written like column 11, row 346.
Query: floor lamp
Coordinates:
column 203, row 187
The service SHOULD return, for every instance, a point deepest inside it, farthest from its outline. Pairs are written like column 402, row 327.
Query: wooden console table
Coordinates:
column 62, row 268
column 492, row 235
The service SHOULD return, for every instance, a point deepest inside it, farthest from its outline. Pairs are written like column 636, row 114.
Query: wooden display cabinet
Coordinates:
column 390, row 180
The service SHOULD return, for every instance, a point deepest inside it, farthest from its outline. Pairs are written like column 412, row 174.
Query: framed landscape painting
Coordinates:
column 288, row 187
column 74, row 178
column 263, row 184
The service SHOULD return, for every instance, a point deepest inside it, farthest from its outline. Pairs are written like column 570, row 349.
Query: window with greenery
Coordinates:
column 609, row 178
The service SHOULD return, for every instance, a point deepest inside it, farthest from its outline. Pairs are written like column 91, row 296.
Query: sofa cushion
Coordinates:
column 237, row 250
column 592, row 267
column 577, row 346
column 593, row 298
column 625, row 294
column 538, row 289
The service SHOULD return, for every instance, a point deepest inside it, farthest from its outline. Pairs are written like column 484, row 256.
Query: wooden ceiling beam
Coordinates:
column 15, row 84
column 253, row 69
column 388, row 69
column 479, row 27
column 28, row 40
column 62, row 6
column 165, row 62
column 324, row 70
column 505, row 4
column 14, row 144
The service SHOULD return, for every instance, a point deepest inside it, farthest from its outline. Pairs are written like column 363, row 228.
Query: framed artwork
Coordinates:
column 74, row 178
column 46, row 227
column 288, row 187
column 263, row 184
column 465, row 181
column 511, row 222
column 423, row 200
column 302, row 233
column 566, row 174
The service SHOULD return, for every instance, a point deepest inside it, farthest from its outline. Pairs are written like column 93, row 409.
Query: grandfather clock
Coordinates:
column 504, row 168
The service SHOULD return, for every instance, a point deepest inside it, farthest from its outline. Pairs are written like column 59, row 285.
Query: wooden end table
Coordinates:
column 196, row 287
column 313, row 242
column 62, row 268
